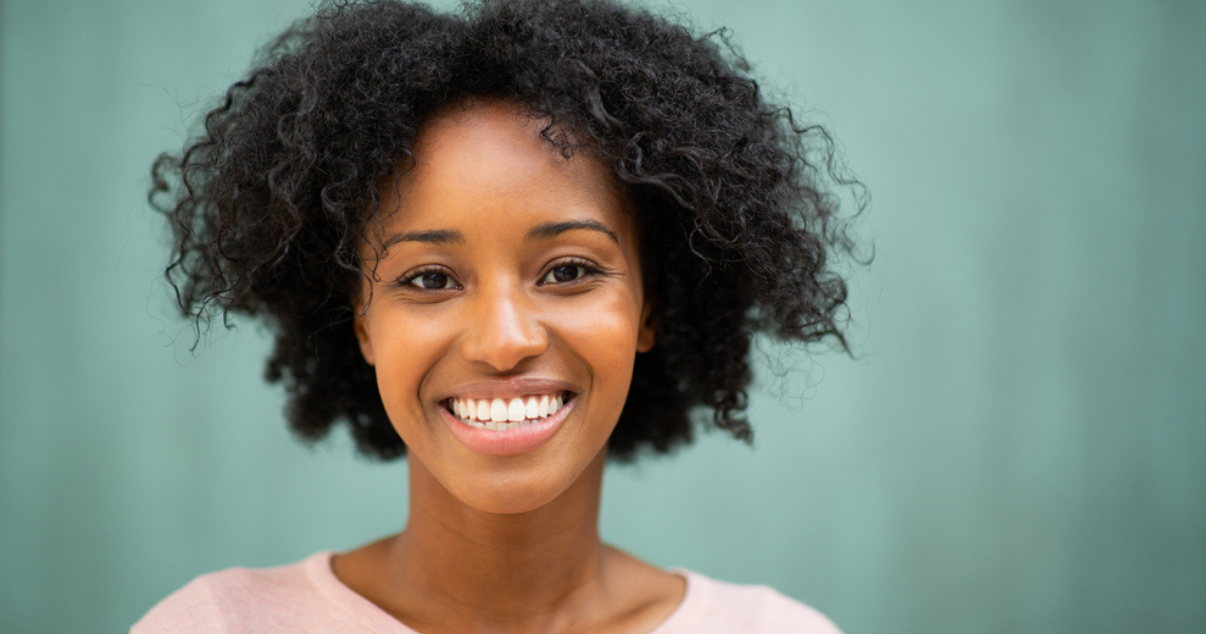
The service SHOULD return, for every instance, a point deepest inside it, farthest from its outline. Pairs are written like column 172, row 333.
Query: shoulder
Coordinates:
column 237, row 600
column 717, row 606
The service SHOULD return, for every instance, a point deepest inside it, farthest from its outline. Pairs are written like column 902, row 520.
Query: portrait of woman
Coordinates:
column 602, row 316
column 510, row 245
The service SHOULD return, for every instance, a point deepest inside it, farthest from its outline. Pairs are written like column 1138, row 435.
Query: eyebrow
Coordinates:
column 435, row 236
column 540, row 232
column 554, row 229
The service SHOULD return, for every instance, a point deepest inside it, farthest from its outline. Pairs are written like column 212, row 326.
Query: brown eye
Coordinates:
column 433, row 280
column 564, row 273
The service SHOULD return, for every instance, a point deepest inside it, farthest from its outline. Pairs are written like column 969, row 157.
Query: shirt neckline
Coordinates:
column 318, row 570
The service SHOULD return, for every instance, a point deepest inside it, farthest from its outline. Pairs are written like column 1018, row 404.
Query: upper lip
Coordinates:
column 509, row 388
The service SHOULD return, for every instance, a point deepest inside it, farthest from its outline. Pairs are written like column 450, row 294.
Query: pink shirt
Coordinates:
column 308, row 597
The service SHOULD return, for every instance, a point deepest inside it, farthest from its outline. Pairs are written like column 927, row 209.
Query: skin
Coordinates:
column 504, row 543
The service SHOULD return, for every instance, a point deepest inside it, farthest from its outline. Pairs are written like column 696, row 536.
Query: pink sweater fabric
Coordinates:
column 308, row 597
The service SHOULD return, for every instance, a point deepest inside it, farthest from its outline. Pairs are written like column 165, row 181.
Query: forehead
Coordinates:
column 489, row 158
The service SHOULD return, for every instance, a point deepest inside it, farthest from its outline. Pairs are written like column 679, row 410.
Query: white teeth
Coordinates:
column 498, row 410
column 504, row 414
column 515, row 410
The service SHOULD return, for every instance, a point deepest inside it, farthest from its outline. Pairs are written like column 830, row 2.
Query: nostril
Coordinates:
column 504, row 343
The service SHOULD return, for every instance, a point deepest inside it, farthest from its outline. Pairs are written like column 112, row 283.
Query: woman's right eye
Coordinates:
column 432, row 281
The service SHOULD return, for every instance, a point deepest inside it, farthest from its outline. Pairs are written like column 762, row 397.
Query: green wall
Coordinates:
column 1020, row 447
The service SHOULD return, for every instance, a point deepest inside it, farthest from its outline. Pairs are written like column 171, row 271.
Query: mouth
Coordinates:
column 507, row 414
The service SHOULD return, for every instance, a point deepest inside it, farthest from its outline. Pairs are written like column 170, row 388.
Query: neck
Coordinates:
column 514, row 570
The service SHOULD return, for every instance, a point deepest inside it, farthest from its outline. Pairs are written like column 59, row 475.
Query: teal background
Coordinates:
column 1019, row 447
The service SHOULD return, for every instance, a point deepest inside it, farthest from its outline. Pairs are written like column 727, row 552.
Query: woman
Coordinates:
column 509, row 244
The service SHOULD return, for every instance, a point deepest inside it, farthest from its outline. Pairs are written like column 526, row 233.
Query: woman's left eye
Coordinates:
column 565, row 273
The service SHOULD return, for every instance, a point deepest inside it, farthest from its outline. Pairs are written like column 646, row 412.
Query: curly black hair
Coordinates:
column 736, row 201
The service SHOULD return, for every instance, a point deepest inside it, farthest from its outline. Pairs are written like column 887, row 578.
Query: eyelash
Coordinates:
column 588, row 269
column 408, row 281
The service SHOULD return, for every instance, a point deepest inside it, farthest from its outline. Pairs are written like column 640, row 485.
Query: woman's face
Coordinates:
column 509, row 284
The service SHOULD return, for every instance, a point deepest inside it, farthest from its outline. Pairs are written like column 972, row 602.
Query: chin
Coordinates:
column 514, row 495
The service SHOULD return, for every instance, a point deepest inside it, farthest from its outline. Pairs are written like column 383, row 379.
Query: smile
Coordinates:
column 498, row 414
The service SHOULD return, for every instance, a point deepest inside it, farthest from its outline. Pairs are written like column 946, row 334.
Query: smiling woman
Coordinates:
column 507, row 275
column 509, row 245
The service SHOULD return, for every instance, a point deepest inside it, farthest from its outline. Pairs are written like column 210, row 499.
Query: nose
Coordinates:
column 503, row 330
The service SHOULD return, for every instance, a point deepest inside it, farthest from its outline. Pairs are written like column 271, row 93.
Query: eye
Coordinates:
column 431, row 280
column 564, row 273
column 568, row 272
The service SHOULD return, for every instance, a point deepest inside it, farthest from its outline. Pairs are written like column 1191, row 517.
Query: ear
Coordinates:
column 648, row 327
column 360, row 325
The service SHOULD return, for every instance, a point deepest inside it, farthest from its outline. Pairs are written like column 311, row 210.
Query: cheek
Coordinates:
column 406, row 348
column 604, row 335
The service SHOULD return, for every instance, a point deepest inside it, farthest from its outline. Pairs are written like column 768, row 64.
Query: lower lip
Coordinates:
column 507, row 443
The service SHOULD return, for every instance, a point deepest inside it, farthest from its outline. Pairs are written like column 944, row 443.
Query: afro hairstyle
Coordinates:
column 734, row 198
